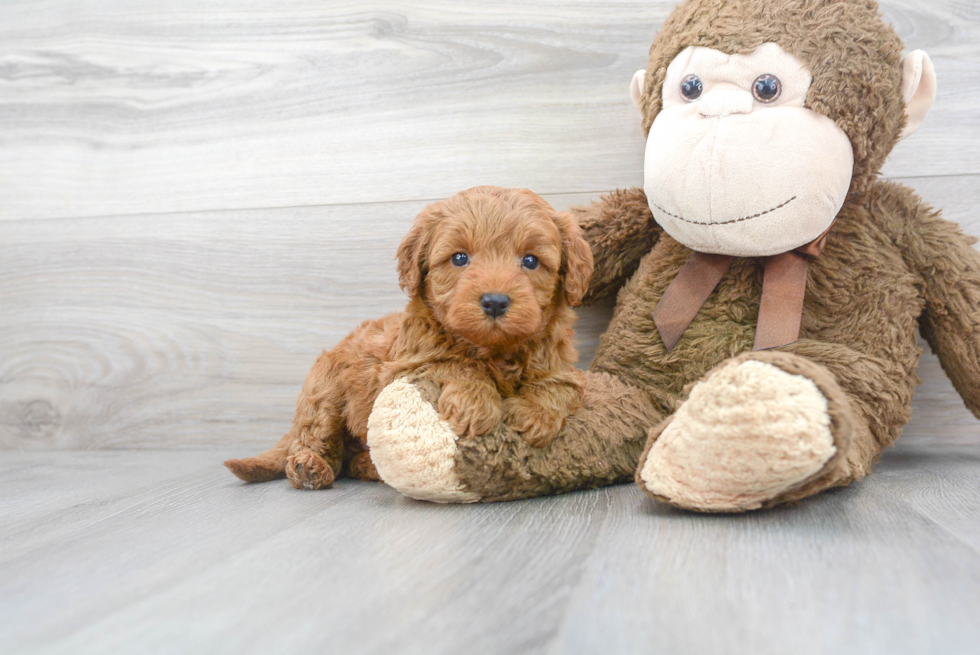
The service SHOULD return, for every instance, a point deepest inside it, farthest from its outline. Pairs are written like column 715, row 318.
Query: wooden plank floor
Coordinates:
column 163, row 552
column 197, row 196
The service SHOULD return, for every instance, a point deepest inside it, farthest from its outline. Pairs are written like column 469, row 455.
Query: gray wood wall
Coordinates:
column 197, row 196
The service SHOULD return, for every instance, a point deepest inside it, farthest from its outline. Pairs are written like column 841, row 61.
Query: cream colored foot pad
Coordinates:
column 412, row 448
column 746, row 434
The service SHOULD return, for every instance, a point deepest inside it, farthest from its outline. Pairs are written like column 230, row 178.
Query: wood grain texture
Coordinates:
column 860, row 570
column 197, row 330
column 135, row 552
column 120, row 108
column 195, row 197
column 185, row 330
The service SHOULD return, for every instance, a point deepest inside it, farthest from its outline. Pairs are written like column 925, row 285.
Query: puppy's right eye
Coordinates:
column 460, row 259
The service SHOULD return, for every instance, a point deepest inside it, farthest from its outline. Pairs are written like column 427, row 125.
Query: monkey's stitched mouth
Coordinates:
column 734, row 220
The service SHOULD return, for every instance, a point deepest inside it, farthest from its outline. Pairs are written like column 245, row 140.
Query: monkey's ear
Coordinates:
column 636, row 89
column 577, row 258
column 918, row 89
column 412, row 251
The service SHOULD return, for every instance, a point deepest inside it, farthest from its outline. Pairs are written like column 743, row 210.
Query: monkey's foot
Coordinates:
column 414, row 450
column 754, row 432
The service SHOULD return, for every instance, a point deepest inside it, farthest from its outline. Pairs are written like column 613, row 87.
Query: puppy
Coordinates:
column 492, row 274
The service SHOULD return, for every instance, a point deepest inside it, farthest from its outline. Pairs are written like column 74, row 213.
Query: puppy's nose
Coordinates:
column 494, row 304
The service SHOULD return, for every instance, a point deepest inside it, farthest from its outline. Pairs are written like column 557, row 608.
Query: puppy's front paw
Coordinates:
column 470, row 408
column 538, row 425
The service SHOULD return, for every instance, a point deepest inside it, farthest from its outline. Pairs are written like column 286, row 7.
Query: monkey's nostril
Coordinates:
column 494, row 304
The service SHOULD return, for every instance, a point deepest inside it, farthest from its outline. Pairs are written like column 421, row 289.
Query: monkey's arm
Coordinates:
column 950, row 270
column 620, row 229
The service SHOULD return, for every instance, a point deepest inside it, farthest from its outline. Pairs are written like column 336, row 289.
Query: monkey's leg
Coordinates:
column 422, row 457
column 771, row 427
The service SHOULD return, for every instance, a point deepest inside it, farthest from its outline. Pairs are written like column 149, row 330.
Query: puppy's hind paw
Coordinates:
column 307, row 470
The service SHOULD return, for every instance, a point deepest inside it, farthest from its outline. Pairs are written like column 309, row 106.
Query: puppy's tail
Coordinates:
column 265, row 466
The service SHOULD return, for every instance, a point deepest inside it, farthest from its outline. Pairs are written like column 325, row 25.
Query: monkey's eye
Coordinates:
column 529, row 262
column 766, row 88
column 460, row 259
column 691, row 88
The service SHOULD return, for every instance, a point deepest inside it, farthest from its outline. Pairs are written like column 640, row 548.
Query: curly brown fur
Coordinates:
column 518, row 366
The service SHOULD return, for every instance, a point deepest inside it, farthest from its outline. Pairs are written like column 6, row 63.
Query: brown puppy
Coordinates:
column 491, row 274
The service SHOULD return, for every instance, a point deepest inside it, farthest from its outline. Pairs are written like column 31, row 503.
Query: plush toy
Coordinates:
column 763, row 346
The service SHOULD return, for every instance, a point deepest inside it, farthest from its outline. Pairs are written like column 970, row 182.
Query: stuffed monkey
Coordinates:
column 770, row 286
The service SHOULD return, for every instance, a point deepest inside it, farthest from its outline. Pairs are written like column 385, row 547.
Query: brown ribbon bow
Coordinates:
column 781, row 309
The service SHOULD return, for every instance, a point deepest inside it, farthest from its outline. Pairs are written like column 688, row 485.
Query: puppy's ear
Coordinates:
column 412, row 260
column 576, row 254
column 576, row 260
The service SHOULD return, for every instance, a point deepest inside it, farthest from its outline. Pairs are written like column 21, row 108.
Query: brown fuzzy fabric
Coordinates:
column 891, row 266
column 889, row 262
column 519, row 365
column 842, row 425
column 621, row 230
column 502, row 466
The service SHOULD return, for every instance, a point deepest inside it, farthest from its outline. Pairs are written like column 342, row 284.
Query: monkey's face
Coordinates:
column 736, row 164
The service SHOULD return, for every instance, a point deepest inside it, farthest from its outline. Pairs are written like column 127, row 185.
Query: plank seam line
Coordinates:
column 189, row 212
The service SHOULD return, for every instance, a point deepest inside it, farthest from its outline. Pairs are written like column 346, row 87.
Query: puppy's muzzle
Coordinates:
column 494, row 304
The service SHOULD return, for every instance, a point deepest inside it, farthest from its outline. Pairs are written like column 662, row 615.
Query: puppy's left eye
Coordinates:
column 529, row 262
column 460, row 259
